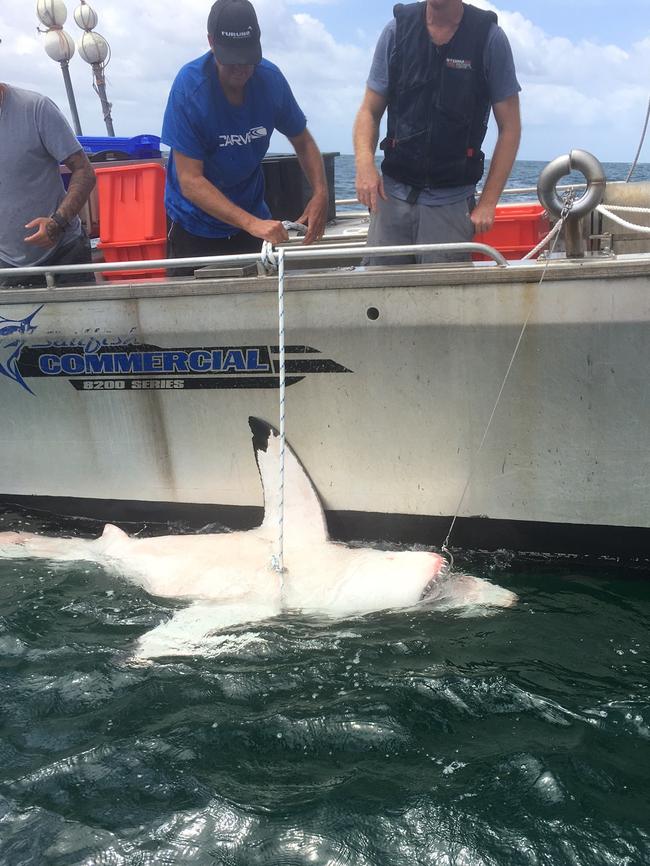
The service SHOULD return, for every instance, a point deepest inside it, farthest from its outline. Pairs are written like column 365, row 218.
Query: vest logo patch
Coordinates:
column 238, row 139
column 457, row 63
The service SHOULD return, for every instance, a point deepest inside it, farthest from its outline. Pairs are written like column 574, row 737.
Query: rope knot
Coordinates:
column 268, row 259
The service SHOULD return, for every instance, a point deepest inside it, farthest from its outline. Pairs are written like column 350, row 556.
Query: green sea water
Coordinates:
column 395, row 739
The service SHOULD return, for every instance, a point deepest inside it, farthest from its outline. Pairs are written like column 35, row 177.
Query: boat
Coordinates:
column 128, row 400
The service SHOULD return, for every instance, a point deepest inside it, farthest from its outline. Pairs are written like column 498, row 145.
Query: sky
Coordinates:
column 583, row 65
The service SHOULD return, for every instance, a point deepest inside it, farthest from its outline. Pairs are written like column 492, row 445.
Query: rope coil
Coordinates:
column 608, row 212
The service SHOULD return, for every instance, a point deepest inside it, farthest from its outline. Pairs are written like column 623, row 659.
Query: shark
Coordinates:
column 229, row 578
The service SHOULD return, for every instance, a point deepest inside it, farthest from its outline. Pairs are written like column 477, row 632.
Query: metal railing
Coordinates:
column 349, row 251
column 523, row 190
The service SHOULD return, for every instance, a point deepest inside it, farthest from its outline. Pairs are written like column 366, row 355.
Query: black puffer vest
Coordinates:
column 438, row 103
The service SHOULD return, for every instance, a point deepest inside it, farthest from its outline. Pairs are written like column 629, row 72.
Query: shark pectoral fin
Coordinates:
column 195, row 630
column 304, row 519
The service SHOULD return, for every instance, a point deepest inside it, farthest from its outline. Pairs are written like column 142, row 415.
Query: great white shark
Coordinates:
column 228, row 577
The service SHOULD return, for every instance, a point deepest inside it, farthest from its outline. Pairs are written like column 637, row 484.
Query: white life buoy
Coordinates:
column 576, row 160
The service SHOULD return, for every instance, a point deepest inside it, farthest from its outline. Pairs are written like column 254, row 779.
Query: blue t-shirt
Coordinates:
column 502, row 83
column 230, row 140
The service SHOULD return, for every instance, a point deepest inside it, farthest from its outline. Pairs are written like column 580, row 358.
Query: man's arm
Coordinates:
column 506, row 114
column 369, row 182
column 205, row 195
column 315, row 214
column 82, row 182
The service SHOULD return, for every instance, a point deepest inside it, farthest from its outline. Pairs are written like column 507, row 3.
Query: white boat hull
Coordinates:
column 386, row 410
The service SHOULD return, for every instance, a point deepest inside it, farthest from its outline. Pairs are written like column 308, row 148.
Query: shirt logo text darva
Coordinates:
column 237, row 138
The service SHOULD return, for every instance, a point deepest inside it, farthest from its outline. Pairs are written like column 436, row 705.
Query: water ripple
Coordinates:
column 397, row 739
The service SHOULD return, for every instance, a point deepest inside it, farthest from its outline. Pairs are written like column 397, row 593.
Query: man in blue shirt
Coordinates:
column 439, row 67
column 221, row 112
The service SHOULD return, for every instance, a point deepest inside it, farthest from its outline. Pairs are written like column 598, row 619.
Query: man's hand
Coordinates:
column 370, row 185
column 268, row 230
column 48, row 232
column 482, row 217
column 506, row 114
column 315, row 217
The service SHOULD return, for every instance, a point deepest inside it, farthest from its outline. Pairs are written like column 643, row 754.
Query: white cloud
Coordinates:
column 575, row 92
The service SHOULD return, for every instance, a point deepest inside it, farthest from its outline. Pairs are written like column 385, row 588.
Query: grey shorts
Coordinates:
column 398, row 222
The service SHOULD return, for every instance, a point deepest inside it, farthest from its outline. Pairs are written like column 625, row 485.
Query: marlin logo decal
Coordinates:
column 12, row 340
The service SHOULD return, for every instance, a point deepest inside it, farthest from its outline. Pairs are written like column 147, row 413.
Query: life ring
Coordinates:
column 576, row 160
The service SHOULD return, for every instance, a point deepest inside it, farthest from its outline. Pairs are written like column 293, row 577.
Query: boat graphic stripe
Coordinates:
column 168, row 384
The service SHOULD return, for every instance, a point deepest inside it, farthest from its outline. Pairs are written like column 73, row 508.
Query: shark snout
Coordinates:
column 439, row 568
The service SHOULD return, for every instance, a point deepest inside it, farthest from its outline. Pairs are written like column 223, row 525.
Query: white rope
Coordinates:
column 278, row 559
column 271, row 263
column 605, row 211
column 267, row 258
column 470, row 478
column 625, row 208
column 638, row 152
column 267, row 255
column 540, row 246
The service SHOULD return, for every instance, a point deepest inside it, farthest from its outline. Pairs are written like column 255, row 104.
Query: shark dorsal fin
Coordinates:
column 111, row 537
column 304, row 519
column 113, row 533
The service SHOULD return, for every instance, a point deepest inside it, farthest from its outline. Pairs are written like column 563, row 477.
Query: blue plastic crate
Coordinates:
column 137, row 147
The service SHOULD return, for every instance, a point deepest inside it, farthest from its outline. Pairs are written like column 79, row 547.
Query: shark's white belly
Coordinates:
column 230, row 567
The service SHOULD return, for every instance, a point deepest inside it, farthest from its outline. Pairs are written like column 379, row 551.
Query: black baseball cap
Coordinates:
column 235, row 33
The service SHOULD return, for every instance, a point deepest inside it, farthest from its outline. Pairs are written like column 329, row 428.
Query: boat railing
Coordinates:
column 522, row 190
column 291, row 253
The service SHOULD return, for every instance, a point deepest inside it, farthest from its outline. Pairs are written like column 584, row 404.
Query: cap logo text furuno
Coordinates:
column 456, row 63
column 237, row 34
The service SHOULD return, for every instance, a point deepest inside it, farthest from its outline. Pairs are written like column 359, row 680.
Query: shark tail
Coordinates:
column 26, row 545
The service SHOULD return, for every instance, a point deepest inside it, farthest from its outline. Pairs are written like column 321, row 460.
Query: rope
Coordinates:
column 625, row 208
column 540, row 246
column 271, row 264
column 278, row 560
column 267, row 258
column 605, row 211
column 267, row 255
column 638, row 153
column 556, row 230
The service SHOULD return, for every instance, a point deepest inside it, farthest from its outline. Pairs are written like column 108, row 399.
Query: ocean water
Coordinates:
column 395, row 739
column 525, row 173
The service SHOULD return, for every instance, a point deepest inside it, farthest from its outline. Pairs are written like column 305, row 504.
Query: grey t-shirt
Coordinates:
column 502, row 83
column 34, row 138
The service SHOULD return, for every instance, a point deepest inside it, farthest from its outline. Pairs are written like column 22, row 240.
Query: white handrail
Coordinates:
column 291, row 253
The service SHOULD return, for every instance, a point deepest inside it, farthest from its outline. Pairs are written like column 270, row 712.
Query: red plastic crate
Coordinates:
column 134, row 252
column 131, row 203
column 517, row 229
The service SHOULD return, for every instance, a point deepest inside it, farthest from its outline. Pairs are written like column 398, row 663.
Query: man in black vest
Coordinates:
column 439, row 67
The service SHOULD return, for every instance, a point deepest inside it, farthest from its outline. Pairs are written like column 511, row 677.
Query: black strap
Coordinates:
column 414, row 195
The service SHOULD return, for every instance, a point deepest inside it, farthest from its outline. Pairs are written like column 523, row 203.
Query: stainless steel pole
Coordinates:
column 71, row 100
column 100, row 86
